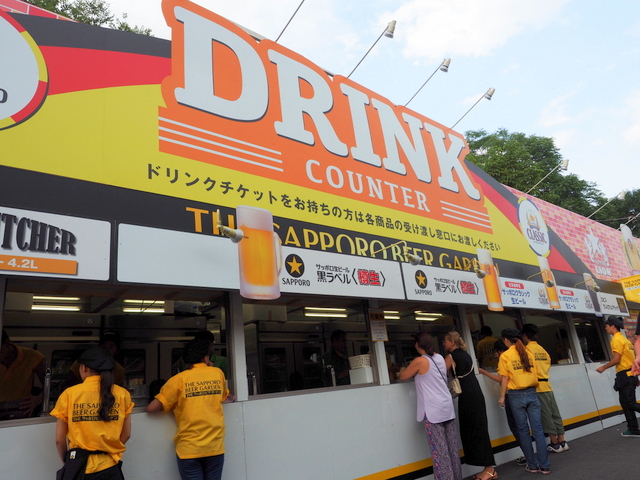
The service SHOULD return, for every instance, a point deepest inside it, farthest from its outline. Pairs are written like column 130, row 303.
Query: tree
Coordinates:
column 521, row 161
column 618, row 212
column 91, row 12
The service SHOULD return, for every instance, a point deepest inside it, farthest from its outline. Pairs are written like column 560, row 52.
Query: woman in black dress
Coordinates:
column 472, row 413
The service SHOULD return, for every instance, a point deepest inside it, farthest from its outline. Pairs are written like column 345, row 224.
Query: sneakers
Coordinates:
column 555, row 447
column 531, row 470
column 629, row 434
column 522, row 461
column 565, row 446
column 545, row 471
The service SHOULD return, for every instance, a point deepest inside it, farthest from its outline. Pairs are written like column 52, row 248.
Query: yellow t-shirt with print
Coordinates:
column 17, row 380
column 485, row 354
column 543, row 364
column 621, row 345
column 78, row 407
column 510, row 366
column 196, row 397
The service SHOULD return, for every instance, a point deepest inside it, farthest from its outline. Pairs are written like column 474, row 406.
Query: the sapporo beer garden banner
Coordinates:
column 334, row 189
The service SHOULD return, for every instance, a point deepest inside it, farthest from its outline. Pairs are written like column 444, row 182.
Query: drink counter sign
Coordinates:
column 42, row 244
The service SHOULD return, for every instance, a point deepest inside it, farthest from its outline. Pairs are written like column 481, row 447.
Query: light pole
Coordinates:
column 444, row 66
column 487, row 95
column 388, row 32
column 562, row 166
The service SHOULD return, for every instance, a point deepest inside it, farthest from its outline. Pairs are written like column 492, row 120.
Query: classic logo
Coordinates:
column 533, row 227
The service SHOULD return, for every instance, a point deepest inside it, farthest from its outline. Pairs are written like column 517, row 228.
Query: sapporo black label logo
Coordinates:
column 294, row 266
column 421, row 279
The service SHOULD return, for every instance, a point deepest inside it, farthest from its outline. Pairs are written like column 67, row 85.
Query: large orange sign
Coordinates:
column 260, row 109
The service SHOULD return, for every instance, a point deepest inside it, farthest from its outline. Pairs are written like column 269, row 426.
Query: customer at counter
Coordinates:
column 18, row 366
column 435, row 407
column 196, row 396
column 336, row 357
column 94, row 421
column 109, row 340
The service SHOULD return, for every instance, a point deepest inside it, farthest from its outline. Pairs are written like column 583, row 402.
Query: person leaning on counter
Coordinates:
column 94, row 421
column 196, row 396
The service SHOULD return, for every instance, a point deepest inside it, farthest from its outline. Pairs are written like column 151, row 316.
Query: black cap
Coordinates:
column 530, row 329
column 510, row 333
column 98, row 359
column 110, row 336
column 617, row 322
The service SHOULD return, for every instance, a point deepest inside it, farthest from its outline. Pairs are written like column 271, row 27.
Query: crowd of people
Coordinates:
column 94, row 423
column 521, row 366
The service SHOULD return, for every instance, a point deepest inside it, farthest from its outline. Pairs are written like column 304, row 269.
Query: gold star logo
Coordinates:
column 294, row 265
column 421, row 279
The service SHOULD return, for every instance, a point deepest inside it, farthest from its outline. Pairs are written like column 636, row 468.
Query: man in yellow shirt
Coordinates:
column 196, row 396
column 625, row 384
column 18, row 366
column 552, row 422
column 484, row 349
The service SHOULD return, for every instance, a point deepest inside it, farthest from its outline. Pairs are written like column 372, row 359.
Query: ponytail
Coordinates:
column 455, row 337
column 524, row 357
column 514, row 337
column 106, row 395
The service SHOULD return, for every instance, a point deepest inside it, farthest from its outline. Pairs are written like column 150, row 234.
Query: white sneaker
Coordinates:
column 565, row 446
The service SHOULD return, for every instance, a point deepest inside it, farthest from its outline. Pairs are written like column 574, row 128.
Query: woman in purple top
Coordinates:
column 435, row 408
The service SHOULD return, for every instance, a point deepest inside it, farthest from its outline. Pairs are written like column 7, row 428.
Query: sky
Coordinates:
column 566, row 69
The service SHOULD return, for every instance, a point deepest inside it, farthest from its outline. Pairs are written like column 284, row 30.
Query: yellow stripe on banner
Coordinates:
column 402, row 470
column 422, row 464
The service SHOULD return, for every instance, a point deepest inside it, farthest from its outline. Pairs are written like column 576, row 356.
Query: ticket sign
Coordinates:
column 36, row 244
column 631, row 286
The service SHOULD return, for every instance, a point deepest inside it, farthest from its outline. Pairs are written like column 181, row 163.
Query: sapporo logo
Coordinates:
column 421, row 279
column 294, row 266
column 23, row 74
column 533, row 227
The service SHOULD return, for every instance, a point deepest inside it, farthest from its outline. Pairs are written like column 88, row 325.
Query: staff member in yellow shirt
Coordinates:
column 196, row 396
column 94, row 421
column 18, row 367
column 520, row 378
column 625, row 384
column 552, row 422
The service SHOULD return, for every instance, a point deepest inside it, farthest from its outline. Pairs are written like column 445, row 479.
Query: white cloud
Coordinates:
column 440, row 28
column 554, row 113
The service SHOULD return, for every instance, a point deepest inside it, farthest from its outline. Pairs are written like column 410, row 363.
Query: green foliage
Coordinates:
column 91, row 12
column 521, row 161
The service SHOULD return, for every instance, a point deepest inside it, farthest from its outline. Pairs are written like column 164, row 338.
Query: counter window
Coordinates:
column 486, row 327
column 553, row 335
column 44, row 333
column 591, row 337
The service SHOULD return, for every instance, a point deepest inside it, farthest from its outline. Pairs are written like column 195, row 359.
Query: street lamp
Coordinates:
column 285, row 27
column 388, row 32
column 444, row 66
column 487, row 95
column 562, row 166
column 620, row 196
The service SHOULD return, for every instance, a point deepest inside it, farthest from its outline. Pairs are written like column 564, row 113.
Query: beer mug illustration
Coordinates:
column 490, row 280
column 549, row 282
column 630, row 248
column 593, row 289
column 259, row 254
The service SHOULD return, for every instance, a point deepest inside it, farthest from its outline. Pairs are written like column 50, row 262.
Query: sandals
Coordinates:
column 486, row 475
